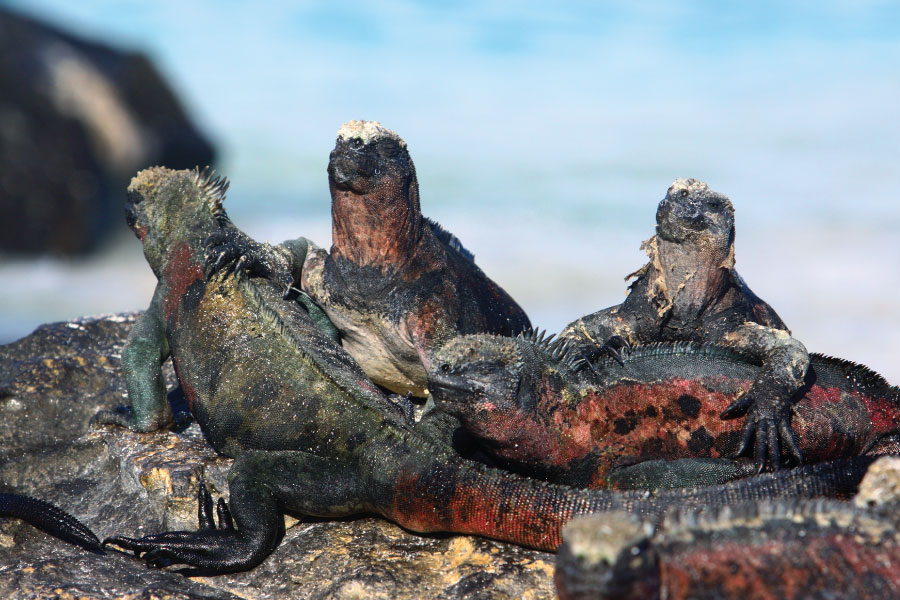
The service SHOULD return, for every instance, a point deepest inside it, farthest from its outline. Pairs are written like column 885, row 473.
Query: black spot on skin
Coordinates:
column 690, row 406
column 625, row 425
column 651, row 411
column 700, row 443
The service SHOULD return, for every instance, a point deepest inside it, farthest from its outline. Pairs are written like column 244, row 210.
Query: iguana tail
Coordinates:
column 50, row 519
column 466, row 497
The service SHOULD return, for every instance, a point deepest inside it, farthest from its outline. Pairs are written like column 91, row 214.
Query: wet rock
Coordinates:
column 123, row 483
column 77, row 119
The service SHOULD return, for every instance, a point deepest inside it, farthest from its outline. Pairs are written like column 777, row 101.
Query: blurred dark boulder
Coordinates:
column 77, row 120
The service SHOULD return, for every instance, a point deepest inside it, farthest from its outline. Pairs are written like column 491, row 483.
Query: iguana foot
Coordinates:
column 615, row 347
column 230, row 250
column 767, row 426
column 213, row 549
column 124, row 417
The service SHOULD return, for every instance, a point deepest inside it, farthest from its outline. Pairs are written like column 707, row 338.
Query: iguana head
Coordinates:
column 694, row 214
column 166, row 207
column 493, row 384
column 374, row 192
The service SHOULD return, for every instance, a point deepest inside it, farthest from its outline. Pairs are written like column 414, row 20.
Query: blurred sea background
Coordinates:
column 544, row 135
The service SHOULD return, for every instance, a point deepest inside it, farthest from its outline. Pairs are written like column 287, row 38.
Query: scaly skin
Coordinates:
column 395, row 284
column 690, row 291
column 310, row 433
column 773, row 550
column 537, row 409
column 49, row 519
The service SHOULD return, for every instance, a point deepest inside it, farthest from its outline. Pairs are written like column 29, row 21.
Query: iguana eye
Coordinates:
column 684, row 193
column 445, row 368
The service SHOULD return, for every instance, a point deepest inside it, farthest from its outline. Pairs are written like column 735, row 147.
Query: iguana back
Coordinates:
column 540, row 412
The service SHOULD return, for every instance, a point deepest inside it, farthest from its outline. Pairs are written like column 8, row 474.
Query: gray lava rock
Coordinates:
column 123, row 483
column 77, row 119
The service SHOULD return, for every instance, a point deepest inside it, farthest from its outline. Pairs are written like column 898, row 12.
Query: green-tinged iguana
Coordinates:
column 690, row 291
column 309, row 432
column 396, row 285
column 535, row 406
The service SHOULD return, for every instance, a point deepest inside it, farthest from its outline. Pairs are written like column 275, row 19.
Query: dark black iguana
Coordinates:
column 777, row 549
column 395, row 284
column 690, row 291
column 537, row 409
column 50, row 519
column 310, row 433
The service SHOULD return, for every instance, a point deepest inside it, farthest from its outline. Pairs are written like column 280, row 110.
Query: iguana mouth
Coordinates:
column 452, row 389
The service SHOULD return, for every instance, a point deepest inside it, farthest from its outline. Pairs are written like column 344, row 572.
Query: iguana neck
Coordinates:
column 685, row 279
column 380, row 228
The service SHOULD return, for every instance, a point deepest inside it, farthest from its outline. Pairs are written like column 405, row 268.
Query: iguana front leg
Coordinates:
column 767, row 403
column 261, row 485
column 230, row 248
column 603, row 332
column 146, row 349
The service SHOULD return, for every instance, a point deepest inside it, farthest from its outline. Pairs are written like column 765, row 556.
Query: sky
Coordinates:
column 544, row 135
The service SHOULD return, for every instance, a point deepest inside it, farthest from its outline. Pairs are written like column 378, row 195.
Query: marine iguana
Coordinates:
column 690, row 291
column 49, row 519
column 532, row 404
column 309, row 432
column 396, row 285
column 786, row 549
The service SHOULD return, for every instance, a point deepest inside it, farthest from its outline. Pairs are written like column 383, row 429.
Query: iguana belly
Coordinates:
column 381, row 345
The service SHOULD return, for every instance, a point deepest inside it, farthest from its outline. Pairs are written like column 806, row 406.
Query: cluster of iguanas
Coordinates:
column 301, row 364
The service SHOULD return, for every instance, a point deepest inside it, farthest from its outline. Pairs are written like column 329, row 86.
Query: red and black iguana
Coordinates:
column 689, row 290
column 533, row 405
column 396, row 285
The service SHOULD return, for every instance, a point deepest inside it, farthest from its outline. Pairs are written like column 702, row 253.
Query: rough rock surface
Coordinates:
column 77, row 119
column 118, row 482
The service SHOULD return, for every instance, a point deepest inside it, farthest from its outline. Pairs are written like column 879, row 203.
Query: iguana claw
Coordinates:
column 765, row 428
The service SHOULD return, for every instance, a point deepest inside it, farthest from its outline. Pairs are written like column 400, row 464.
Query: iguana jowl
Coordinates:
column 396, row 285
column 690, row 291
column 309, row 432
column 538, row 409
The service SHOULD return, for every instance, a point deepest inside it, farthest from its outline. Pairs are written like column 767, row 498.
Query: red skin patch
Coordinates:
column 671, row 419
column 180, row 271
column 468, row 501
column 791, row 567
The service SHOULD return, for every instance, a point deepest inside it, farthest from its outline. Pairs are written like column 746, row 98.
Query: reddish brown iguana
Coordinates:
column 690, row 291
column 395, row 284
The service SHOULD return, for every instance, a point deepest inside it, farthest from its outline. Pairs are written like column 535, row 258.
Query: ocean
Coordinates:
column 544, row 135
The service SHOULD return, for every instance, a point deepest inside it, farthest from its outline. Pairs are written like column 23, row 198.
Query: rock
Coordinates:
column 881, row 485
column 77, row 119
column 123, row 483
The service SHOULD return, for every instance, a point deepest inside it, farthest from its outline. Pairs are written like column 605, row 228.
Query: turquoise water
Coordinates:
column 544, row 135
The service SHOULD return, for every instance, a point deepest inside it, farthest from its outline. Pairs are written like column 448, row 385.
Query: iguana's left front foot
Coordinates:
column 767, row 423
column 213, row 549
column 230, row 249
column 125, row 417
